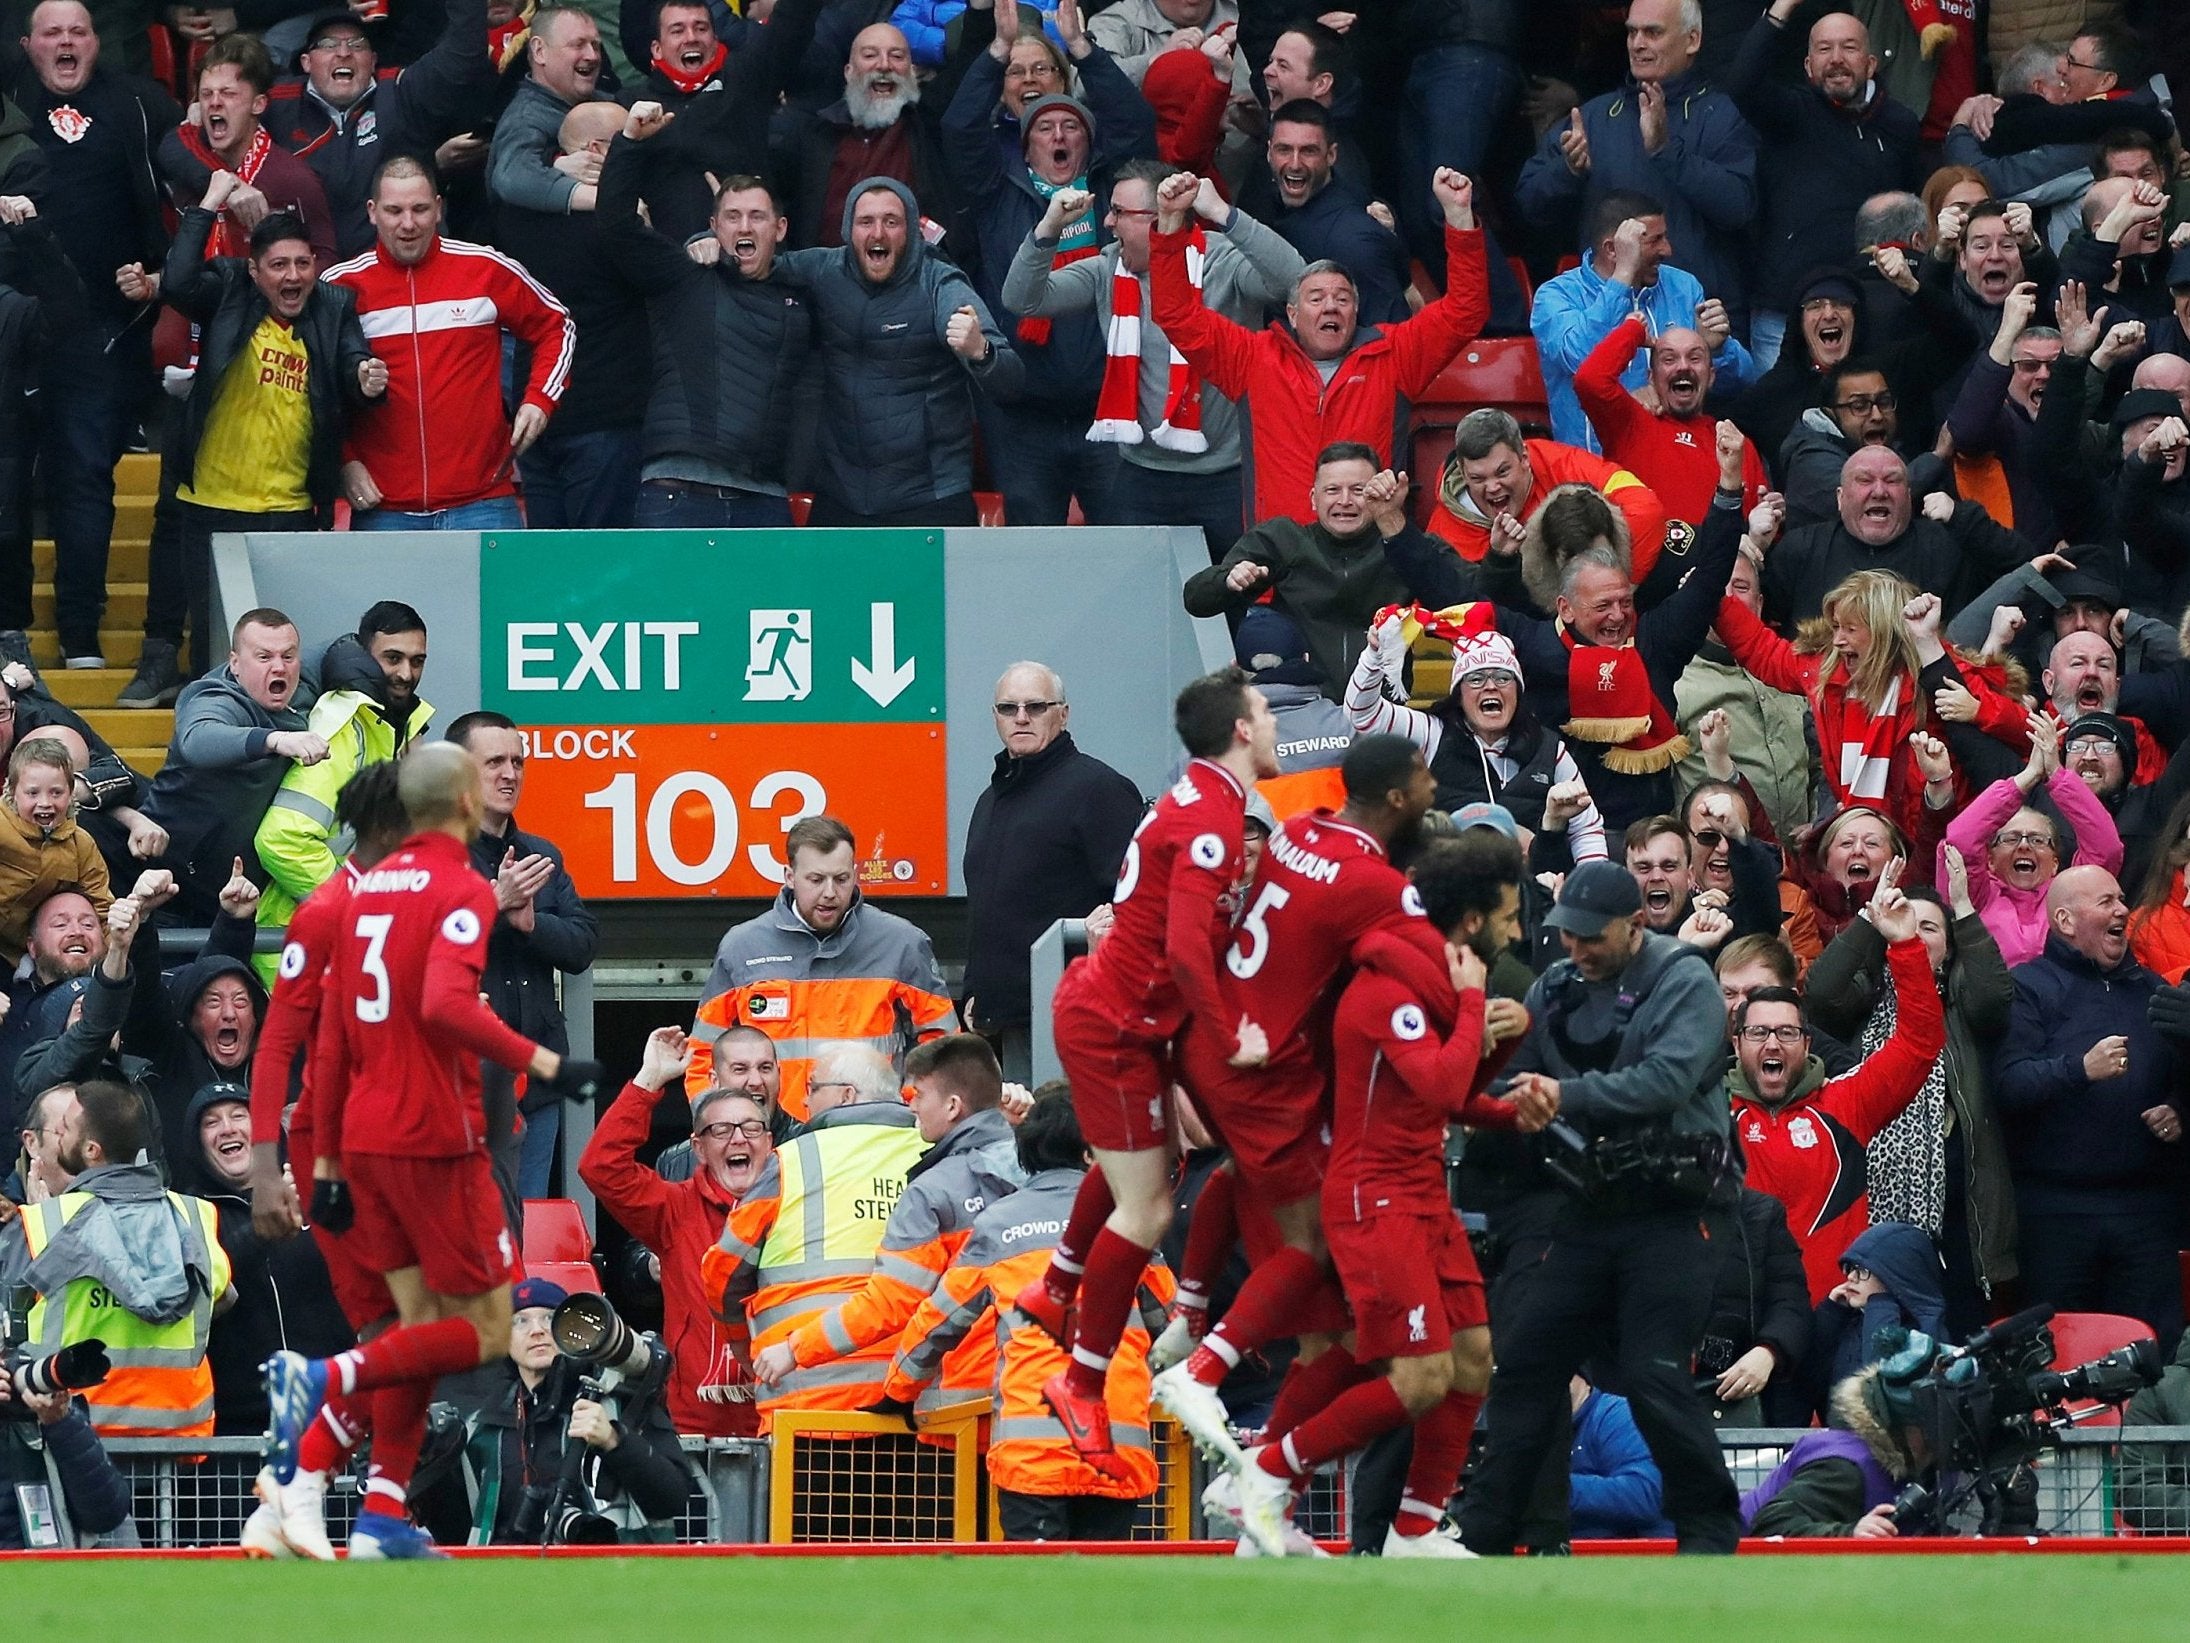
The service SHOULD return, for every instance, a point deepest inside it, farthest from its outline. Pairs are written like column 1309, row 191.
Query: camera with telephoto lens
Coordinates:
column 620, row 1363
column 1990, row 1408
column 74, row 1367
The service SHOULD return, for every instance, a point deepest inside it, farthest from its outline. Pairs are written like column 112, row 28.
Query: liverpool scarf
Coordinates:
column 1867, row 741
column 1118, row 409
column 1612, row 704
column 689, row 84
column 227, row 238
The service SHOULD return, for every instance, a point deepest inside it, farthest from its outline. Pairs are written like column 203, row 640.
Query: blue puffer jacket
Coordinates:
column 897, row 412
column 2074, row 1144
column 1064, row 373
column 926, row 25
column 1616, row 1490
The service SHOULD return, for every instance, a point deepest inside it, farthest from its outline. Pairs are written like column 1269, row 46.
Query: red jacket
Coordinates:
column 1808, row 1153
column 439, row 439
column 1287, row 412
column 1551, row 465
column 1677, row 457
column 679, row 1221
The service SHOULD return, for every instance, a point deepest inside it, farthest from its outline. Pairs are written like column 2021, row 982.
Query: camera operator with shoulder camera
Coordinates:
column 57, row 1485
column 564, row 1454
column 1842, row 1480
column 1626, row 1037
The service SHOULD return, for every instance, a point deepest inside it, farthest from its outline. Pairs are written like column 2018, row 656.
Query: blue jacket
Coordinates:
column 2074, row 1144
column 1581, row 307
column 926, row 25
column 1705, row 176
column 1843, row 1340
column 1614, row 1485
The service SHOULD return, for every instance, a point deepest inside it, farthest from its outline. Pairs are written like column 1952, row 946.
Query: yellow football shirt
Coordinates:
column 257, row 444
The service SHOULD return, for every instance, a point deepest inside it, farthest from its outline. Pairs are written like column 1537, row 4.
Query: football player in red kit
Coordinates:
column 401, row 1139
column 290, row 1520
column 1413, row 1043
column 1117, row 1012
column 1325, row 885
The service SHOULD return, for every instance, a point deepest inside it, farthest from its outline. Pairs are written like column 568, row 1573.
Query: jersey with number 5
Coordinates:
column 1158, row 965
column 1323, row 885
column 399, row 1075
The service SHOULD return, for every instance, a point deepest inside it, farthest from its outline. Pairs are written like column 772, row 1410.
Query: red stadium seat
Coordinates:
column 574, row 1276
column 555, row 1230
column 990, row 505
column 1497, row 373
column 2078, row 1337
column 802, row 506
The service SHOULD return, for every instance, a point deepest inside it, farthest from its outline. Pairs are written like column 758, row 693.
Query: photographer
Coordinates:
column 516, row 1446
column 1841, row 1481
column 51, row 1462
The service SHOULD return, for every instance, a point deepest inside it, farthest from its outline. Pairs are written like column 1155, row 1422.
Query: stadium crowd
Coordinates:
column 1771, row 629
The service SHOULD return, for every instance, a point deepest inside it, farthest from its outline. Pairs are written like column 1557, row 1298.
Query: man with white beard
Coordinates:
column 876, row 129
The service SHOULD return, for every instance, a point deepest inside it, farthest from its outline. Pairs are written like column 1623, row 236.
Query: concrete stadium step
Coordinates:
column 125, row 602
column 138, row 726
column 86, row 687
column 120, row 647
column 128, row 559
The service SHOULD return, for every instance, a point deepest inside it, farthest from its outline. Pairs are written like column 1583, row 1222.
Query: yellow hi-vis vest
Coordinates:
column 161, row 1385
column 838, row 1187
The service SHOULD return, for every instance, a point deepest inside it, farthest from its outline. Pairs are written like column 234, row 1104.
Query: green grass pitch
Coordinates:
column 1850, row 1597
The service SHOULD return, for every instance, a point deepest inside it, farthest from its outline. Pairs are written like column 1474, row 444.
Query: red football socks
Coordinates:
column 1114, row 1268
column 341, row 1425
column 1440, row 1450
column 416, row 1353
column 1367, row 1411
column 1091, row 1207
column 399, row 1430
column 1263, row 1311
column 1310, row 1387
column 1211, row 1232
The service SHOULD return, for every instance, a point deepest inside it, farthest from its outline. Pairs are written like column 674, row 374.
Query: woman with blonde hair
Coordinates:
column 1856, row 664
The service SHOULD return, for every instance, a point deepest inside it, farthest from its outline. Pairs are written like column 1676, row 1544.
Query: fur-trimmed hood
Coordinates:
column 1563, row 526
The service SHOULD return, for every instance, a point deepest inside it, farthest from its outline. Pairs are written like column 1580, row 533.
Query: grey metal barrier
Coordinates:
column 197, row 1492
column 1053, row 949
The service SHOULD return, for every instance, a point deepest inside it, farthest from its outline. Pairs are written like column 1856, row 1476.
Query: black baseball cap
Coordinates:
column 1595, row 894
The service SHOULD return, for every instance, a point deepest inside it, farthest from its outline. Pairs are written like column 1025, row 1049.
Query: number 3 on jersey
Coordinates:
column 374, row 928
column 1252, row 945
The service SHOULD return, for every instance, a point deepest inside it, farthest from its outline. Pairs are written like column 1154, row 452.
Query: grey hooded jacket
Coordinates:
column 133, row 1240
column 897, row 407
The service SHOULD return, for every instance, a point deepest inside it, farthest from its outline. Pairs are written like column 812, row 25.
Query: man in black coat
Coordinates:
column 541, row 927
column 1045, row 842
column 274, row 338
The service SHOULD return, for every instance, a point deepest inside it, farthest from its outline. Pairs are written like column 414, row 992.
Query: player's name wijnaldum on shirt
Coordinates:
column 408, row 1028
column 1158, row 965
column 1409, row 1058
column 1322, row 887
column 286, row 1043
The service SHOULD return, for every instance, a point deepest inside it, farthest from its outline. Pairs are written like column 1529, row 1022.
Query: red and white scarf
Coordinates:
column 1868, row 742
column 1118, row 409
column 227, row 238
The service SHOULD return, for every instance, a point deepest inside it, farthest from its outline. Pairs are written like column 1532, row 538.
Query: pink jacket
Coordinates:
column 2017, row 918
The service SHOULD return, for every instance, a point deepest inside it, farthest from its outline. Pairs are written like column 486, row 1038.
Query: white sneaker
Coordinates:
column 1175, row 1345
column 290, row 1520
column 1221, row 1512
column 1263, row 1502
column 1437, row 1543
column 1197, row 1408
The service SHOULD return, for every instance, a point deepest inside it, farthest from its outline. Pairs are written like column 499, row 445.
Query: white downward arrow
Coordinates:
column 886, row 680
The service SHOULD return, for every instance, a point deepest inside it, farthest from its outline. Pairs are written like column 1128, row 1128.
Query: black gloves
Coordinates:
column 332, row 1206
column 2169, row 1011
column 577, row 1080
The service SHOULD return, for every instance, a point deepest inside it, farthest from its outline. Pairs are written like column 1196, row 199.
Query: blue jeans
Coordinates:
column 1456, row 100
column 1767, row 335
column 581, row 481
column 671, row 505
column 495, row 513
column 1042, row 459
column 536, row 1157
column 87, row 398
column 1164, row 496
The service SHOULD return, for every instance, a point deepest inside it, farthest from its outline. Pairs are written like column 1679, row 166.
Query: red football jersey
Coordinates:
column 1158, row 965
column 404, row 1029
column 1322, row 887
column 287, row 1030
column 1399, row 1080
